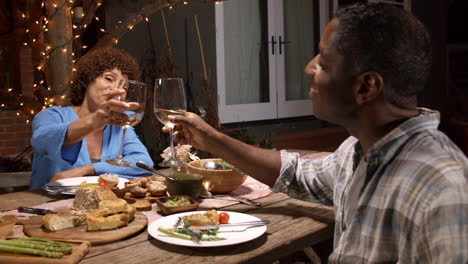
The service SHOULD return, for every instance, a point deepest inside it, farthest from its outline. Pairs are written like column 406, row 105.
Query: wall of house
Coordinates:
column 15, row 131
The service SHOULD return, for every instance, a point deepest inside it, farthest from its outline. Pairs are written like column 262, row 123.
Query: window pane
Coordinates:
column 301, row 27
column 246, row 51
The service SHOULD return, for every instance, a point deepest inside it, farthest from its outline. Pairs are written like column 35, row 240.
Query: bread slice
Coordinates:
column 157, row 188
column 106, row 222
column 88, row 197
column 131, row 210
column 55, row 222
column 113, row 206
column 111, row 180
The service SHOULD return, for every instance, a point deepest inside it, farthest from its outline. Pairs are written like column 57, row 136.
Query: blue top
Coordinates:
column 49, row 129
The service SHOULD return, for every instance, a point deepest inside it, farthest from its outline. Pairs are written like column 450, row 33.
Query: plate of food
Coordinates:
column 213, row 228
column 70, row 185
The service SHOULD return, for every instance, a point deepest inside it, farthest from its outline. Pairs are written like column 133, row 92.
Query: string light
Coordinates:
column 48, row 49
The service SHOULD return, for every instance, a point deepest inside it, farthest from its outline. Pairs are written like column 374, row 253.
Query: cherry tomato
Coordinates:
column 102, row 184
column 223, row 218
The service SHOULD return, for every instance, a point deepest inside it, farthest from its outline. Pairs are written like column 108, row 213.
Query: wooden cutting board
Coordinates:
column 33, row 227
column 80, row 249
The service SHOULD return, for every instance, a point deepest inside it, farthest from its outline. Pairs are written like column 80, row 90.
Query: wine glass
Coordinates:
column 136, row 93
column 169, row 99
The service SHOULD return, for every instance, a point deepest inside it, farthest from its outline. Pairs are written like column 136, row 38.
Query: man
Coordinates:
column 398, row 185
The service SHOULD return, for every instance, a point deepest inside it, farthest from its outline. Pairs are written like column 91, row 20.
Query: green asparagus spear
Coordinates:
column 27, row 244
column 187, row 237
column 46, row 241
column 30, row 251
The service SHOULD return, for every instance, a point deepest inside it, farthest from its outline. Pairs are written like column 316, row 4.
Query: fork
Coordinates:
column 238, row 230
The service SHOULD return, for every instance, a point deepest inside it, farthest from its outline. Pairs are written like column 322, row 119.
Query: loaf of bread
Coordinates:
column 110, row 180
column 55, row 222
column 106, row 222
column 88, row 197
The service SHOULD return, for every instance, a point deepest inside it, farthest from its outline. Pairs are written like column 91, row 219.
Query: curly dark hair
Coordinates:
column 388, row 40
column 94, row 64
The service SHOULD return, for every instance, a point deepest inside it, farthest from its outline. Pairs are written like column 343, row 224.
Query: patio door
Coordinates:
column 262, row 49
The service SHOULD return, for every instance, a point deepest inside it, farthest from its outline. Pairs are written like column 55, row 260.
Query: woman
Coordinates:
column 75, row 141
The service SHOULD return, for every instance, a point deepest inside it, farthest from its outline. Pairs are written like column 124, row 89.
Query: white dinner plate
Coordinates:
column 79, row 180
column 231, row 237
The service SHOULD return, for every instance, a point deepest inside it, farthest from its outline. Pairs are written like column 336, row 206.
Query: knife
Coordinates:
column 260, row 222
column 39, row 211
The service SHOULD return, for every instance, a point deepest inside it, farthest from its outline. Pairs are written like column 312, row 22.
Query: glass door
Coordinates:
column 246, row 85
column 262, row 48
column 299, row 31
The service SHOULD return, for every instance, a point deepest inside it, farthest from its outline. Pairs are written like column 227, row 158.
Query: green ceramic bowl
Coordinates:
column 184, row 184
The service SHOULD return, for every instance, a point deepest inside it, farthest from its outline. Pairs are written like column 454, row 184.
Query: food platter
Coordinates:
column 33, row 227
column 232, row 235
column 77, row 181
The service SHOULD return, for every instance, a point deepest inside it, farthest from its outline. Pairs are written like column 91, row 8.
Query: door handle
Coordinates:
column 281, row 45
column 273, row 42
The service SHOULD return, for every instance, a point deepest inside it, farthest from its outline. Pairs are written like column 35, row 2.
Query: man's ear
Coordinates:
column 368, row 87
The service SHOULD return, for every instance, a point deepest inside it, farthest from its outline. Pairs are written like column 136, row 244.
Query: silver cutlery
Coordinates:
column 249, row 223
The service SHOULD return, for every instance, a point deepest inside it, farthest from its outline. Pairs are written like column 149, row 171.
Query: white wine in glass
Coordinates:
column 169, row 99
column 136, row 93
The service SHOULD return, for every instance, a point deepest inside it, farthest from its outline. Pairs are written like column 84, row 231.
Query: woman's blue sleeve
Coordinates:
column 49, row 129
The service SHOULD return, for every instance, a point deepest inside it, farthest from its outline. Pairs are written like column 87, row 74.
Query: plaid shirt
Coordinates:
column 413, row 205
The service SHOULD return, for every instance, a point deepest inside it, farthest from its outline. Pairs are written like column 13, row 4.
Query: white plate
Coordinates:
column 79, row 180
column 231, row 237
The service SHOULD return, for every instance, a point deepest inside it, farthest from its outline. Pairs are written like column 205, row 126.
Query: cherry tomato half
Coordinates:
column 223, row 218
column 102, row 184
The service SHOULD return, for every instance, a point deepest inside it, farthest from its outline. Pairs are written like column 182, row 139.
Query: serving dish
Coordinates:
column 167, row 210
column 216, row 180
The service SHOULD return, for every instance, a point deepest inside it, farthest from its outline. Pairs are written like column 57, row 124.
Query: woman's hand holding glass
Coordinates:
column 133, row 101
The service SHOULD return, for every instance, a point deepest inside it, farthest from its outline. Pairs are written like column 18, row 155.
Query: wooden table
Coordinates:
column 293, row 225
